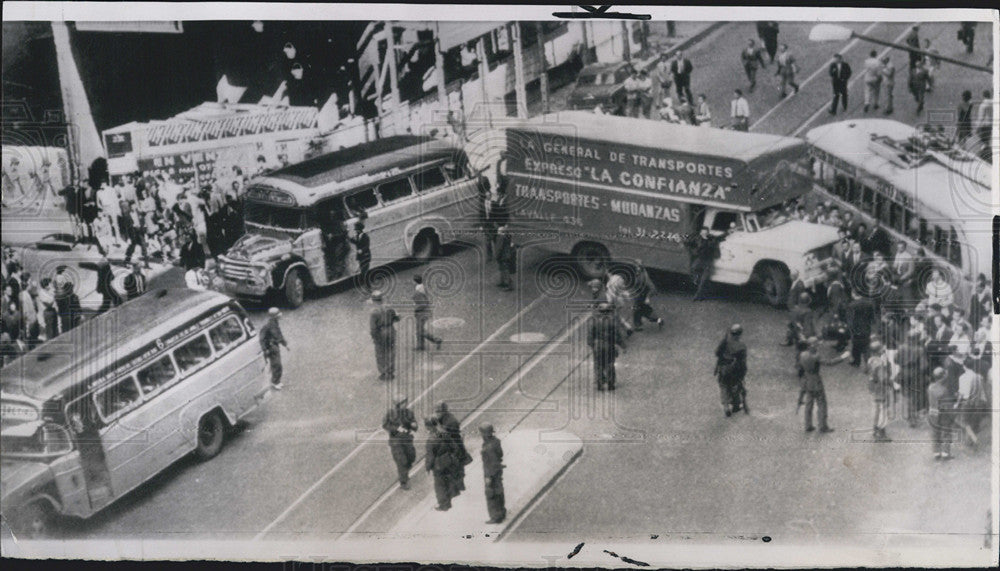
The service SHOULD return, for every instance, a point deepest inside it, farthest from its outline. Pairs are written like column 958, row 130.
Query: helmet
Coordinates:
column 876, row 346
column 805, row 299
column 604, row 307
column 736, row 329
column 486, row 428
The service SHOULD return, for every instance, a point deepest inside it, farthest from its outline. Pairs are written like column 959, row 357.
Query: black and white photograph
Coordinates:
column 507, row 286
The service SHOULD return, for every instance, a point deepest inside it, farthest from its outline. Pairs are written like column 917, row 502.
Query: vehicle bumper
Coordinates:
column 244, row 287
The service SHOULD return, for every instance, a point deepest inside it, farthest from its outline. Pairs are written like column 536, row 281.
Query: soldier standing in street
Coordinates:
column 492, row 454
column 400, row 423
column 440, row 461
column 604, row 336
column 731, row 368
column 452, row 431
column 882, row 386
column 270, row 339
column 506, row 252
column 383, row 331
column 812, row 386
column 422, row 313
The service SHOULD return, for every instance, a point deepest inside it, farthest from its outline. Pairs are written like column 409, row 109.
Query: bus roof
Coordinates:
column 340, row 170
column 72, row 358
column 721, row 143
column 930, row 183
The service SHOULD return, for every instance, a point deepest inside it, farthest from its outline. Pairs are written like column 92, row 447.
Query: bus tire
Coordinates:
column 295, row 289
column 211, row 434
column 591, row 259
column 426, row 245
column 37, row 520
column 774, row 282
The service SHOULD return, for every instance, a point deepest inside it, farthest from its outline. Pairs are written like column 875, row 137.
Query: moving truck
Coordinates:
column 602, row 188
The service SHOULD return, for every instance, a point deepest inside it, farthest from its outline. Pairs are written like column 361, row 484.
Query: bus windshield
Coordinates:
column 284, row 217
column 767, row 218
column 36, row 440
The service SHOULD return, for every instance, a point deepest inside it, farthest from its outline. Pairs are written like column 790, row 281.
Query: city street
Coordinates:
column 660, row 461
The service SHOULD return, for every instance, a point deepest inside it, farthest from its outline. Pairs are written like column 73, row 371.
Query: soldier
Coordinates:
column 731, row 368
column 812, row 386
column 452, row 431
column 506, row 252
column 492, row 454
column 400, row 423
column 440, row 461
column 882, row 385
column 270, row 339
column 703, row 249
column 604, row 337
column 383, row 331
column 363, row 252
column 422, row 313
column 803, row 323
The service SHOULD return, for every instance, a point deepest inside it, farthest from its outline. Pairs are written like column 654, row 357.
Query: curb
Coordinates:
column 511, row 521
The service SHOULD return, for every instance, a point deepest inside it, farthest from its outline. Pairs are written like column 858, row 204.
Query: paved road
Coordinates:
column 659, row 458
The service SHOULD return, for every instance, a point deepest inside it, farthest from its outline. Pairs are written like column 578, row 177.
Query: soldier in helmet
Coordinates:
column 731, row 368
column 382, row 326
column 604, row 336
column 270, row 341
column 812, row 385
column 492, row 454
column 440, row 461
column 400, row 423
column 452, row 431
column 803, row 323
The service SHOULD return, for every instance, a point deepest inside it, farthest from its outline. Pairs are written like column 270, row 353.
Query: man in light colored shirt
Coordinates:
column 632, row 95
column 108, row 201
column 739, row 110
column 704, row 112
column 873, row 80
column 645, row 92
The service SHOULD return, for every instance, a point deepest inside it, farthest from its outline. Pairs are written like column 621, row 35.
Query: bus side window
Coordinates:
column 840, row 186
column 429, row 179
column 362, row 200
column 395, row 190
column 193, row 354
column 157, row 375
column 896, row 217
column 868, row 200
column 226, row 335
column 925, row 233
column 940, row 242
column 117, row 398
column 881, row 208
column 955, row 250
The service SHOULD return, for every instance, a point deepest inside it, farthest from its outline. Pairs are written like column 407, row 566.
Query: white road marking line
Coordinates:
column 343, row 462
column 822, row 68
column 853, row 80
column 514, row 381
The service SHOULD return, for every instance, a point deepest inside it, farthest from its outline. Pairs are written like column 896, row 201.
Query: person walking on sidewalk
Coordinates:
column 840, row 74
column 913, row 41
column 812, row 386
column 681, row 69
column 400, row 423
column 888, row 82
column 382, row 328
column 873, row 80
column 422, row 314
column 270, row 339
column 604, row 336
column 787, row 68
column 751, row 57
column 440, row 461
column 739, row 111
column 492, row 454
column 768, row 33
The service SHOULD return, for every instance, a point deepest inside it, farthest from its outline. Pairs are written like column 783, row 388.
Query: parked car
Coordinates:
column 601, row 84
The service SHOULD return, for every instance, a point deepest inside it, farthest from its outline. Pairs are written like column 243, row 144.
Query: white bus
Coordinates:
column 920, row 188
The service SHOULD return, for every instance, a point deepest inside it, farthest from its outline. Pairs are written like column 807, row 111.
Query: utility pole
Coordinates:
column 627, row 54
column 484, row 68
column 442, row 88
column 390, row 54
column 585, row 56
column 520, row 93
column 543, row 66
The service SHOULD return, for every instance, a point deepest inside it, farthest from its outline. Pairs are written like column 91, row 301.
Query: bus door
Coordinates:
column 85, row 425
column 359, row 202
column 330, row 258
column 71, row 482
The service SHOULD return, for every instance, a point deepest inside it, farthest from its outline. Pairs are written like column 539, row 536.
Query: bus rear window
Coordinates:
column 117, row 398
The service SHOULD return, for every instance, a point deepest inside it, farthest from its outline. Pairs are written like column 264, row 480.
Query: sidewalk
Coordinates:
column 533, row 461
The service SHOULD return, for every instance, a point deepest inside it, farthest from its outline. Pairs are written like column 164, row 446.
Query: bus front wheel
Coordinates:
column 592, row 259
column 211, row 432
column 35, row 521
column 774, row 283
column 295, row 289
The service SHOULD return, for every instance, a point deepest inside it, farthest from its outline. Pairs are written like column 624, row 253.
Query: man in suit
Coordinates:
column 768, row 33
column 751, row 58
column 492, row 454
column 877, row 240
column 681, row 69
column 903, row 268
column 840, row 73
column 422, row 314
column 362, row 250
column 703, row 250
column 812, row 386
column 382, row 327
column 135, row 282
column 400, row 423
column 604, row 336
column 860, row 315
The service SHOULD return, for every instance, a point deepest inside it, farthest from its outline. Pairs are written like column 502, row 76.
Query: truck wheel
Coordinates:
column 425, row 245
column 211, row 433
column 592, row 259
column 775, row 283
column 36, row 521
column 295, row 289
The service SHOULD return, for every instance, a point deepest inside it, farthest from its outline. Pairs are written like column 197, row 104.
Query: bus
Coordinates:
column 918, row 186
column 605, row 188
column 96, row 412
column 413, row 194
